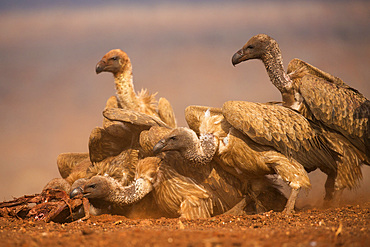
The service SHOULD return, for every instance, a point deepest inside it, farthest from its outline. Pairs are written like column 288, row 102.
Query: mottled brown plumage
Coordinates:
column 225, row 189
column 177, row 195
column 121, row 167
column 118, row 63
column 341, row 111
column 121, row 132
column 108, row 146
column 252, row 140
column 318, row 95
column 174, row 194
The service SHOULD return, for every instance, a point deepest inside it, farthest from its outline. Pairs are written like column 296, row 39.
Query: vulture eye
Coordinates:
column 173, row 138
column 115, row 58
column 92, row 186
column 250, row 47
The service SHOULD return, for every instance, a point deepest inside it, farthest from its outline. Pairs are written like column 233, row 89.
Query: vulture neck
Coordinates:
column 202, row 150
column 125, row 87
column 131, row 193
column 273, row 62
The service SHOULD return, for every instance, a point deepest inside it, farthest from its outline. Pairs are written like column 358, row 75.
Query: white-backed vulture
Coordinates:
column 118, row 63
column 117, row 171
column 177, row 195
column 319, row 96
column 251, row 140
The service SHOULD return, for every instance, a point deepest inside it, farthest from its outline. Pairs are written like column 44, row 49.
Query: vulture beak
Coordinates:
column 238, row 57
column 159, row 147
column 75, row 192
column 99, row 67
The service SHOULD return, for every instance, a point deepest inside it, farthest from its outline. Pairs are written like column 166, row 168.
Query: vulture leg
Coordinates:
column 257, row 203
column 238, row 209
column 333, row 193
column 289, row 208
column 294, row 174
column 329, row 188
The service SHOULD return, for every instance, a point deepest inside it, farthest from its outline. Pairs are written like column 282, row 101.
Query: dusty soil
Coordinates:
column 344, row 226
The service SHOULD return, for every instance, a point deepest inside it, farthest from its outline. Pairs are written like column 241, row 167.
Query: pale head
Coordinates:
column 256, row 48
column 115, row 61
column 97, row 187
column 177, row 140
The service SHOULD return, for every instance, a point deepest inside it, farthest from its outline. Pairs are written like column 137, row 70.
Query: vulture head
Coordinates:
column 108, row 189
column 184, row 140
column 98, row 187
column 257, row 47
column 115, row 61
column 178, row 139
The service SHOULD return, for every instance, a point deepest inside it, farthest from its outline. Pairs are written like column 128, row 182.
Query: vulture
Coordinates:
column 117, row 171
column 177, row 195
column 118, row 63
column 177, row 188
column 251, row 140
column 342, row 111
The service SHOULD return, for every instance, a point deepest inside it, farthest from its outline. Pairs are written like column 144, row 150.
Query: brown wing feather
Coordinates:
column 281, row 128
column 193, row 208
column 133, row 117
column 270, row 125
column 112, row 102
column 120, row 167
column 176, row 189
column 225, row 189
column 103, row 145
column 66, row 162
column 195, row 114
column 349, row 172
column 297, row 65
column 341, row 109
column 166, row 112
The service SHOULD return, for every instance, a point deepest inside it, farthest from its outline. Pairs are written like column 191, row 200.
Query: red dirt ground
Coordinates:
column 343, row 226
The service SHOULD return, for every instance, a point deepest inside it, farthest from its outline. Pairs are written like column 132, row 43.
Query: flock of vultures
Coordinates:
column 141, row 165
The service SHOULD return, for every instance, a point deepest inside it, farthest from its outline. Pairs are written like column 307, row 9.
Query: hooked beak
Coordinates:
column 99, row 67
column 75, row 192
column 238, row 57
column 159, row 147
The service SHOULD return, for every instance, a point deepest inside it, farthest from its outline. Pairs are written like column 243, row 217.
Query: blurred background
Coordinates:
column 51, row 98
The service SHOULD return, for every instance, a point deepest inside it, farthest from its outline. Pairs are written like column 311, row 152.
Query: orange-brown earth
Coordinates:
column 344, row 226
